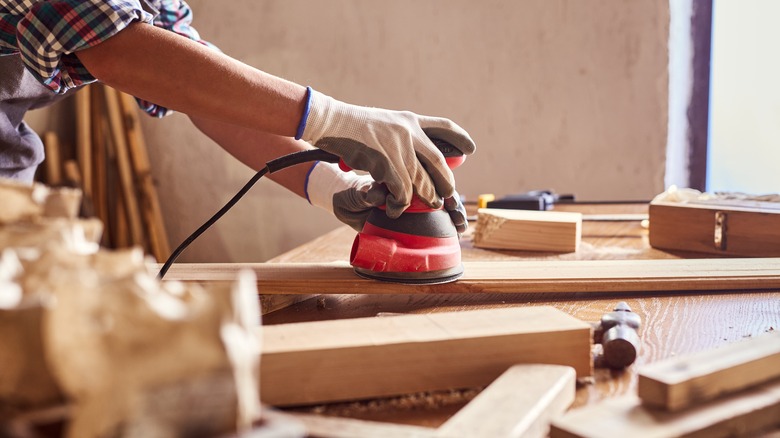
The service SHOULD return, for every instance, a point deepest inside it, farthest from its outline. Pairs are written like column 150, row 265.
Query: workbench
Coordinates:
column 673, row 324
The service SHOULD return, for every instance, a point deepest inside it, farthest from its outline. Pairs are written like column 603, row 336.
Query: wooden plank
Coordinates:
column 84, row 139
column 528, row 230
column 681, row 382
column 325, row 361
column 149, row 202
column 127, row 182
column 51, row 146
column 537, row 276
column 99, row 162
column 520, row 403
column 744, row 231
column 741, row 414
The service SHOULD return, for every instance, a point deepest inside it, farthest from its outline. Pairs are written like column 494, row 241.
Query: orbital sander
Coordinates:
column 419, row 247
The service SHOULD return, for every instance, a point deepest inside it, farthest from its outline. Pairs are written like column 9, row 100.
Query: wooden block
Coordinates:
column 554, row 276
column 681, row 382
column 733, row 229
column 520, row 403
column 528, row 230
column 316, row 362
column 741, row 414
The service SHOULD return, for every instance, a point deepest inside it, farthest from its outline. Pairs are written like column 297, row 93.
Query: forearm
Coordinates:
column 178, row 73
column 255, row 148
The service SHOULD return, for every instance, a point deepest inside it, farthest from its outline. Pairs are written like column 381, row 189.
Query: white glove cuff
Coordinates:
column 321, row 115
column 323, row 181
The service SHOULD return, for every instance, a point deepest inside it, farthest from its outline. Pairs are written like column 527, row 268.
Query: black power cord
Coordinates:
column 270, row 167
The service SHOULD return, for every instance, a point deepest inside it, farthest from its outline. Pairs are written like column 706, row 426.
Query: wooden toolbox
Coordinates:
column 724, row 227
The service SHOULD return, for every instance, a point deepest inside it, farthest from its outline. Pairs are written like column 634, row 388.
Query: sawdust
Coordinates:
column 422, row 401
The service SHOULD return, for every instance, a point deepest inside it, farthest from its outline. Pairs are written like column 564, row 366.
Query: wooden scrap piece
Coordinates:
column 528, row 230
column 534, row 276
column 681, row 382
column 520, row 403
column 740, row 414
column 325, row 361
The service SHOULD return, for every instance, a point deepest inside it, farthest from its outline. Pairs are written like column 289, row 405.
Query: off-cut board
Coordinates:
column 740, row 414
column 681, row 382
column 519, row 404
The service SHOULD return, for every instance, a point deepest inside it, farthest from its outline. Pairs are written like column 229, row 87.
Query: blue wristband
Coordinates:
column 306, row 181
column 305, row 116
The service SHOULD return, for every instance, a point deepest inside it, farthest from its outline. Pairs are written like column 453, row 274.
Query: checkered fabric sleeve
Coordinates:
column 47, row 33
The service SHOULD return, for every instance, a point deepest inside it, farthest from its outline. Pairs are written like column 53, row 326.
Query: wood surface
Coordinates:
column 528, row 230
column 681, row 382
column 508, row 276
column 753, row 232
column 315, row 362
column 147, row 192
column 674, row 323
column 520, row 403
column 741, row 414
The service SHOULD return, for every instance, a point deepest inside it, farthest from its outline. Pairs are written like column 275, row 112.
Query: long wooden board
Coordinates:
column 327, row 361
column 509, row 276
column 681, row 382
column 520, row 403
column 741, row 414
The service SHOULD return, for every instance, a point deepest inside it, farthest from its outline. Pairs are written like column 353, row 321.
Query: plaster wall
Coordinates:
column 567, row 95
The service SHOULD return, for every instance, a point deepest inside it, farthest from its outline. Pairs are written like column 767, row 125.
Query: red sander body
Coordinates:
column 420, row 247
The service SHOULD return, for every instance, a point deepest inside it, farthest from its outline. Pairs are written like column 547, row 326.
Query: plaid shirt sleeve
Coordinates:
column 47, row 33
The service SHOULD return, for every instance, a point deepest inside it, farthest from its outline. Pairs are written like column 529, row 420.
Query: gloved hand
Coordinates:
column 393, row 146
column 350, row 197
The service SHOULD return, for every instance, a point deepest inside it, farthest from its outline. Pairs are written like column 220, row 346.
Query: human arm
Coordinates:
column 159, row 66
column 393, row 146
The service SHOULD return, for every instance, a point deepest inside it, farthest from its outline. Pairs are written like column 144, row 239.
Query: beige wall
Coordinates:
column 563, row 94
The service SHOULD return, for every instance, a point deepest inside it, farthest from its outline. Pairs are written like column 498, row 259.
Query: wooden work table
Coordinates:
column 672, row 323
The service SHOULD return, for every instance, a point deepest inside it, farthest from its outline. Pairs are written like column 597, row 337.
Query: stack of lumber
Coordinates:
column 528, row 230
column 725, row 392
column 110, row 164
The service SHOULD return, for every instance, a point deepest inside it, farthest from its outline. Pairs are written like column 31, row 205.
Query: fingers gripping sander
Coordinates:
column 419, row 247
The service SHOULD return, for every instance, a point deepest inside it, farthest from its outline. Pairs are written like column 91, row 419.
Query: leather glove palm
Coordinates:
column 350, row 197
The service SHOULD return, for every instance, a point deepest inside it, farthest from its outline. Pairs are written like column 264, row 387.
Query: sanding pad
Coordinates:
column 432, row 277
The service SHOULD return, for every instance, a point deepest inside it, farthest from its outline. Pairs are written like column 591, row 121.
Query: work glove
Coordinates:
column 393, row 146
column 350, row 197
